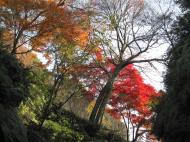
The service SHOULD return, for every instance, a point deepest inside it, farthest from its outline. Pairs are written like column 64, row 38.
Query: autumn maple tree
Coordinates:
column 52, row 28
column 124, row 31
column 37, row 24
column 130, row 99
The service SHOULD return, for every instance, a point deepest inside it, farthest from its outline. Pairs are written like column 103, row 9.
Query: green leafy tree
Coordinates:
column 31, row 109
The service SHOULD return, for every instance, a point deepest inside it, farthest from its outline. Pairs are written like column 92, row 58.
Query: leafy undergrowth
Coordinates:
column 67, row 127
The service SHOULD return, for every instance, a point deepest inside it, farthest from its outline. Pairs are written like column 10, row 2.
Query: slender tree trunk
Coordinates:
column 126, row 126
column 46, row 111
column 14, row 48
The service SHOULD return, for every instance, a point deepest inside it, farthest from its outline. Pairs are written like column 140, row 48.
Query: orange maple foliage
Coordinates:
column 42, row 22
column 27, row 59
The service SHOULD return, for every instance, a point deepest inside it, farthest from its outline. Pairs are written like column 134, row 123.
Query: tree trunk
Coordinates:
column 103, row 98
column 103, row 104
column 95, row 115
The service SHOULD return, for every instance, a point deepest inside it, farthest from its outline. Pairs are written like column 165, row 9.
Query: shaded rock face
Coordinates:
column 12, row 92
column 11, row 128
column 34, row 136
column 13, row 83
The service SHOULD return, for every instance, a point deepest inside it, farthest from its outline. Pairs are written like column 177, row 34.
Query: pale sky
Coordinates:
column 151, row 76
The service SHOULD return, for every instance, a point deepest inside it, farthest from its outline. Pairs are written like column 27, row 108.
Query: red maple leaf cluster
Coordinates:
column 129, row 93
